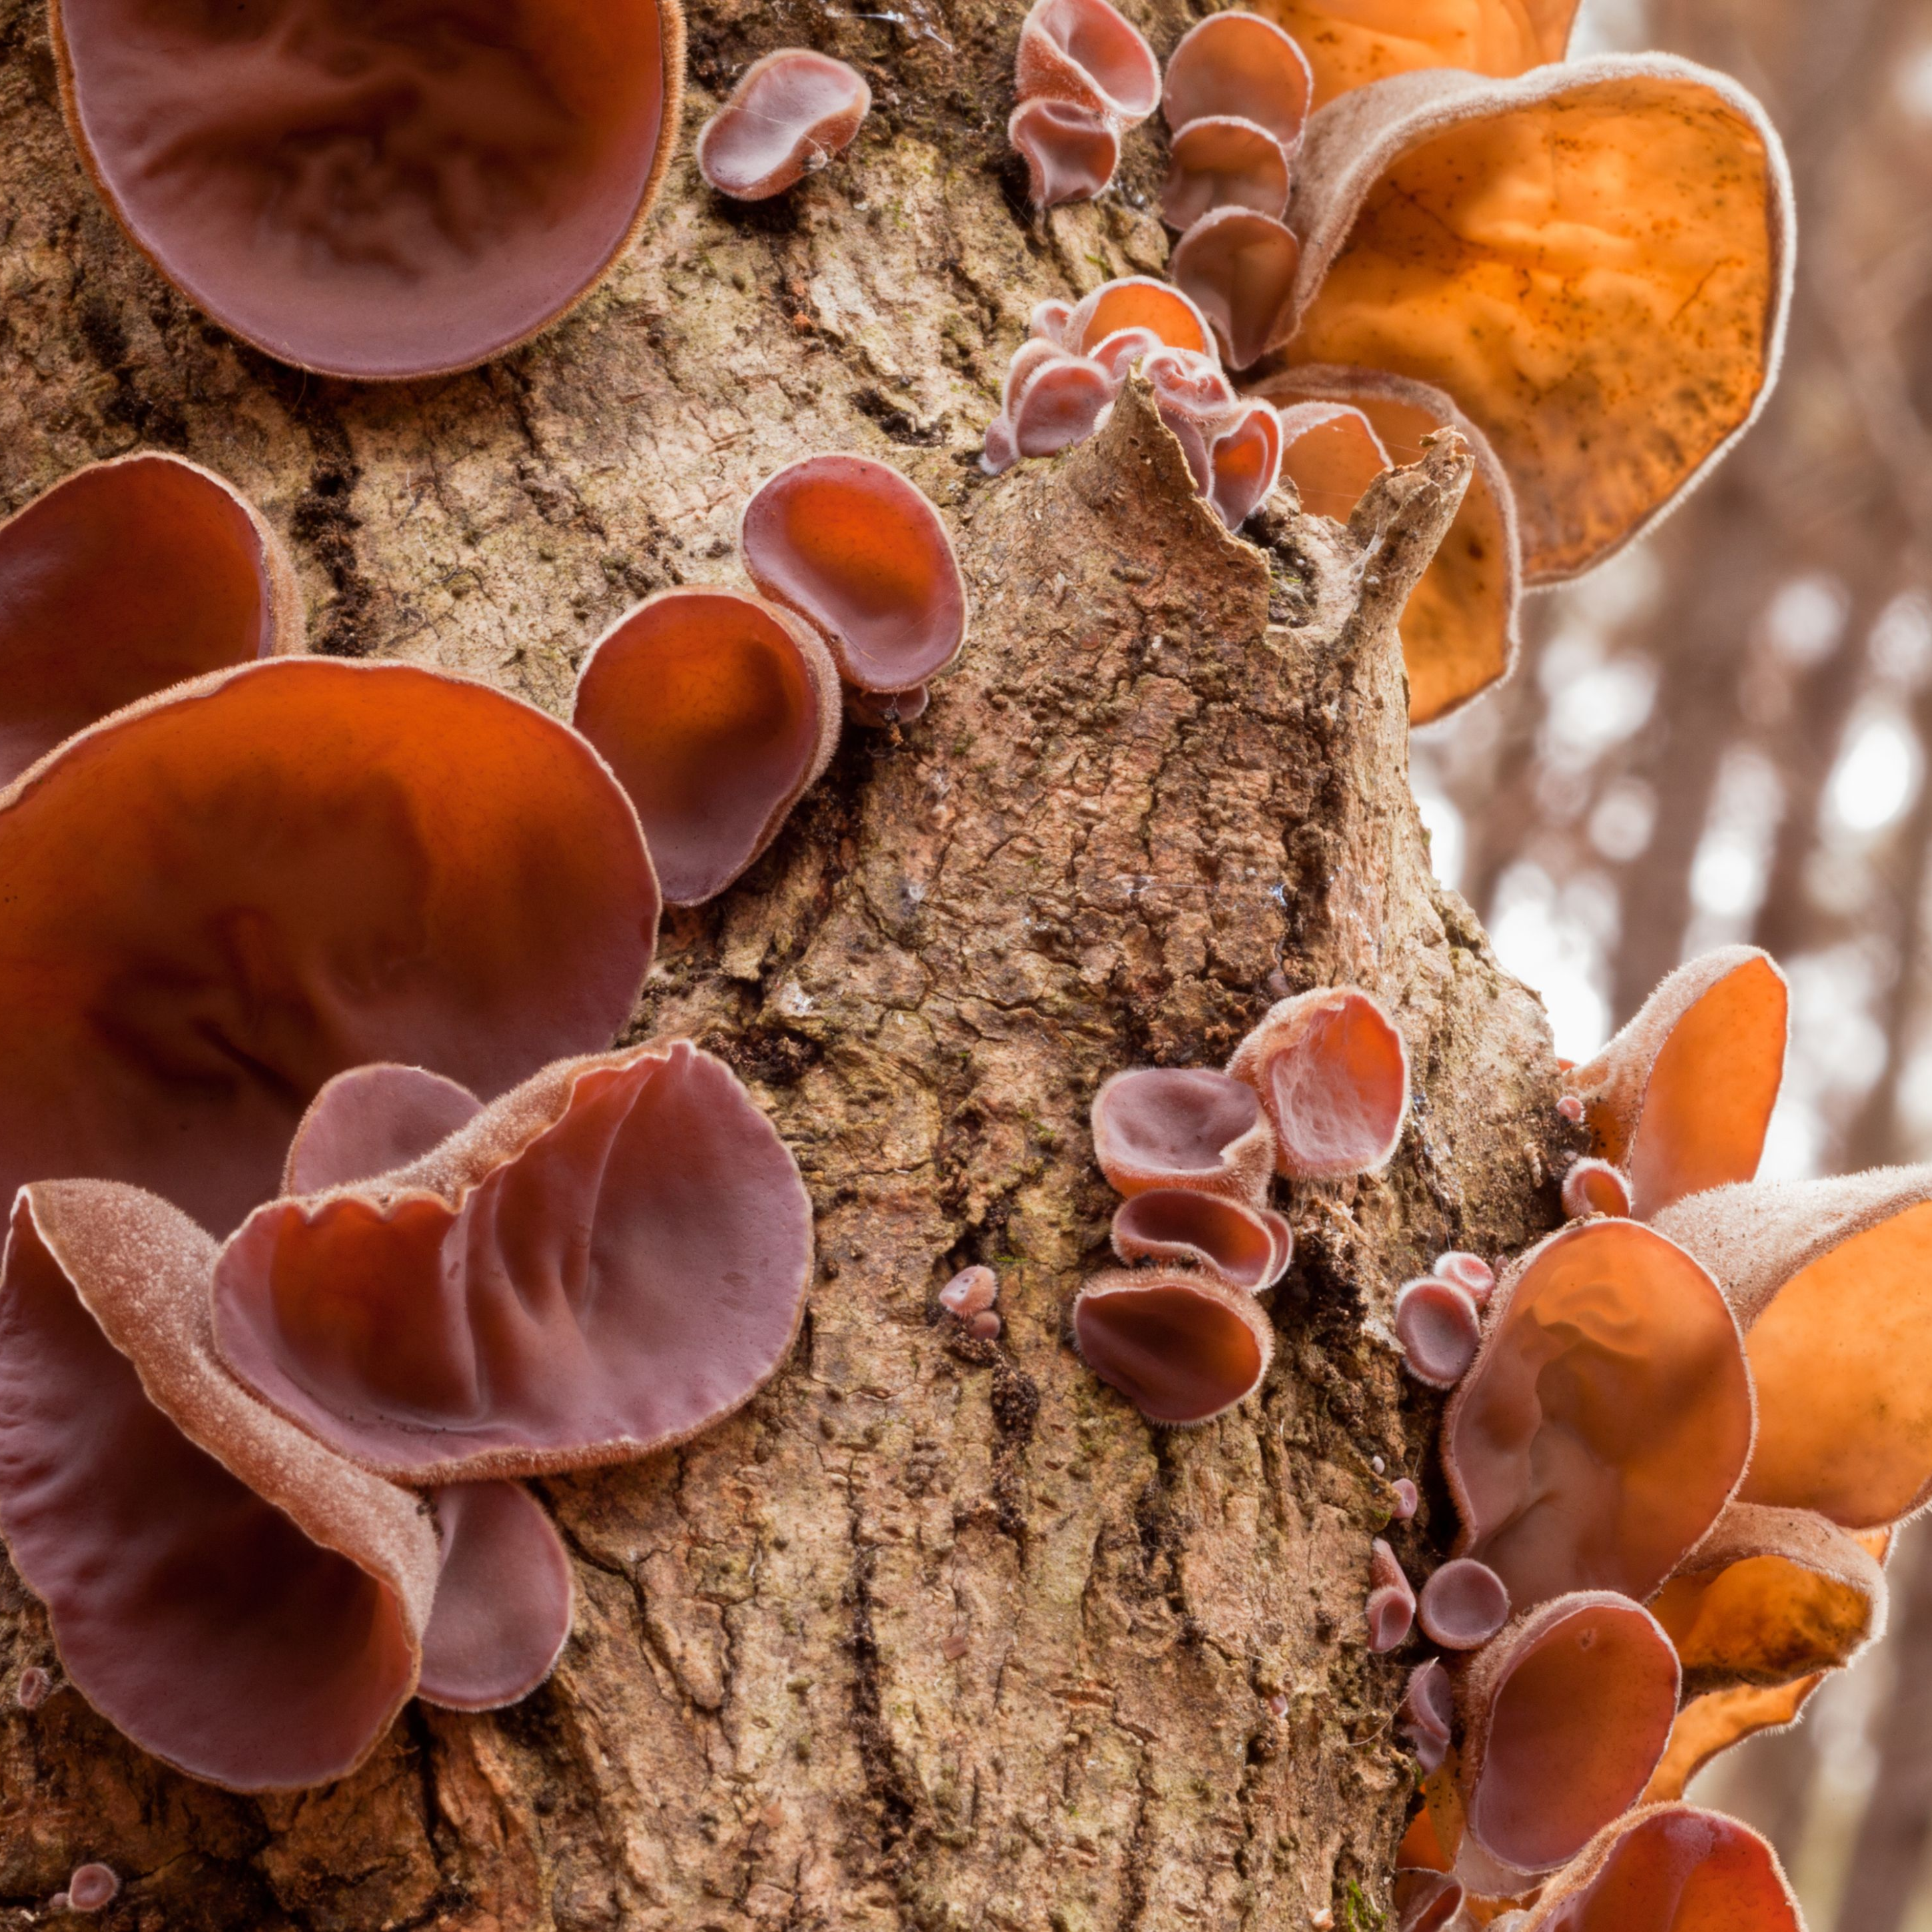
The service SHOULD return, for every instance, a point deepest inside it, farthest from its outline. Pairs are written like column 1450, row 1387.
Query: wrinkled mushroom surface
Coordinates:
column 790, row 114
column 217, row 900
column 1180, row 1345
column 375, row 193
column 124, row 578
column 1182, row 1126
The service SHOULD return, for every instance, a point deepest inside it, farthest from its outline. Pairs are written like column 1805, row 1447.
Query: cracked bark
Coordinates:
column 936, row 1633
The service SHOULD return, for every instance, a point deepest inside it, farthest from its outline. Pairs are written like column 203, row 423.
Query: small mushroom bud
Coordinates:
column 1391, row 1605
column 1085, row 51
column 1332, row 453
column 1594, row 1187
column 1470, row 1273
column 1223, row 162
column 984, row 1326
column 971, row 1291
column 1571, row 1108
column 1439, row 1330
column 1247, row 1247
column 1182, row 1127
column 1182, row 1347
column 1239, row 267
column 1408, row 1498
column 1462, row 1605
column 1426, row 1901
column 91, row 1887
column 790, row 114
column 1236, row 64
column 32, row 1690
column 1426, row 1715
column 1071, row 151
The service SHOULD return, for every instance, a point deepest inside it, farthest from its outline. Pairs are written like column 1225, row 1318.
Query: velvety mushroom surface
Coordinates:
column 1247, row 1247
column 1238, row 267
column 790, row 114
column 1182, row 1126
column 121, row 580
column 1181, row 1346
column 371, row 1119
column 375, row 193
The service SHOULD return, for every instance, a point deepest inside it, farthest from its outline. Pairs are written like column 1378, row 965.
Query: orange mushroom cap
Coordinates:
column 1332, row 453
column 1182, row 1346
column 1247, row 1247
column 1071, row 151
column 1712, row 1724
column 1085, row 51
column 1240, row 65
column 715, row 711
column 219, row 898
column 790, row 114
column 1244, row 463
column 1238, row 266
column 126, row 577
column 854, row 548
column 376, row 193
column 1606, row 1420
column 1594, row 1187
column 237, row 1600
column 1182, row 1126
column 1682, row 1097
column 1136, row 302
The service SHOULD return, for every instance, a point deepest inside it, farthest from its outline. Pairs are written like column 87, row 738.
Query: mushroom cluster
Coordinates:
column 1083, row 75
column 1318, row 1091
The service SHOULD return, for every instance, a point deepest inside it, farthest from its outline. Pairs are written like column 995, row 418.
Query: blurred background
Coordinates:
column 1722, row 736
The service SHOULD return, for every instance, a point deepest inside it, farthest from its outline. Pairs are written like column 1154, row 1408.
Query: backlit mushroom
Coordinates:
column 1714, row 1722
column 217, row 899
column 1182, row 1126
column 1181, row 1346
column 123, row 579
column 1249, row 1247
column 608, row 1259
column 853, row 548
column 715, row 711
column 1244, row 462
column 375, row 193
column 1239, row 266
column 1390, row 1609
column 1427, row 1901
column 790, row 114
column 1332, row 453
column 1594, row 1187
column 234, row 1597
column 1131, row 301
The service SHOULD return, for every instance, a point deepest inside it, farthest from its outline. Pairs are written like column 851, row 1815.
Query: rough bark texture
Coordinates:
column 937, row 1633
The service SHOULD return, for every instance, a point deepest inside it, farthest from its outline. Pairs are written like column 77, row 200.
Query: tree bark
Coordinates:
column 936, row 1633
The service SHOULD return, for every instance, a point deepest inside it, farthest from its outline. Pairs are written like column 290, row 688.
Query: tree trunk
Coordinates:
column 937, row 1632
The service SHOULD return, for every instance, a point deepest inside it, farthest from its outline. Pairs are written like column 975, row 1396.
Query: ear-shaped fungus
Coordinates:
column 1594, row 1187
column 1459, row 626
column 1390, row 1609
column 375, row 193
column 1182, row 1126
column 1437, row 1324
column 1681, row 1098
column 790, row 114
column 1333, row 1075
column 1331, row 453
column 1052, row 400
column 1244, row 463
column 1470, row 1273
column 124, row 578
column 1351, row 43
column 1670, row 1868
column 234, row 1597
column 1712, row 1724
column 1426, row 1715
column 369, row 1120
column 1249, row 1247
column 502, row 1613
column 1770, row 1595
column 1131, row 301
column 606, row 1260
column 1462, row 1604
column 1070, row 152
column 1239, row 266
column 1564, row 1717
column 1832, row 1280
column 216, row 900
column 1606, row 1420
column 1621, row 226
column 1182, row 1347
column 1238, row 66
column 715, row 711
column 1085, row 51
column 1223, row 162
column 855, row 549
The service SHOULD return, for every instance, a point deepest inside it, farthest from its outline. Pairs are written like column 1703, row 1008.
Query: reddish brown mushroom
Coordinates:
column 1085, row 51
column 1248, row 1247
column 1071, row 151
column 1390, row 1609
column 1051, row 400
column 217, row 900
column 1437, row 1324
column 1712, row 1724
column 853, row 548
column 1462, row 1604
column 1244, row 462
column 1594, row 1187
column 1239, row 266
column 234, row 1597
column 608, row 1259
column 1606, row 1420
column 376, row 193
column 371, row 1119
column 791, row 113
column 972, row 1291
column 1426, row 1715
column 502, row 1612
column 1223, row 162
column 1182, row 1126
column 1182, row 1346
column 123, row 579
column 1332, row 1073
column 1564, row 1717
column 715, row 711
column 1238, row 65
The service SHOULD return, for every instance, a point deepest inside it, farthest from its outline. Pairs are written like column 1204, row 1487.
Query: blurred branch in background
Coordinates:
column 1723, row 736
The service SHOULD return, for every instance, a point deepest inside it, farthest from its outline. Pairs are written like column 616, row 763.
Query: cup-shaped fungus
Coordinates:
column 972, row 1291
column 853, row 548
column 1426, row 1715
column 1182, row 1346
column 1606, row 1419
column 1085, row 51
column 1390, row 1609
column 1238, row 266
column 1237, row 66
column 1130, row 301
column 1470, row 1273
column 1249, row 1247
column 124, row 578
column 1437, row 1323
column 608, row 1259
column 217, row 899
column 376, row 192
column 716, row 711
column 91, row 1887
column 1244, row 463
column 369, row 1120
column 1051, row 400
column 1332, row 1073
column 234, row 1597
column 1832, row 1280
column 1070, row 152
column 1711, row 1724
column 1331, row 453
column 1681, row 1099
column 1223, row 162
column 1594, row 1187
column 1182, row 1126
column 1632, row 302
column 502, row 1613
column 1564, row 1717
column 1670, row 1868
column 1427, row 1901
column 790, row 114
column 1462, row 1604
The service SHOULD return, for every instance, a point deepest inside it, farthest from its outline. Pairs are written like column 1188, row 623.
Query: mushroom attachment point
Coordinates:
column 92, row 1887
column 1247, row 1247
column 791, row 113
column 971, row 1291
column 715, row 711
column 375, row 193
column 1438, row 1328
column 1462, row 1605
column 853, row 548
column 1071, row 151
column 1332, row 1073
column 1391, row 1604
column 1426, row 1715
column 1182, row 1346
column 1182, row 1126
column 1239, row 266
column 1594, row 1187
column 1470, row 1273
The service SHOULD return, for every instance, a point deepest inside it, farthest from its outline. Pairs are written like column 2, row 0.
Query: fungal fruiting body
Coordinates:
column 1181, row 1345
column 1426, row 1715
column 1391, row 1604
column 1462, row 1604
column 969, row 1297
column 91, row 1887
column 1438, row 1325
column 1182, row 1126
column 1331, row 453
column 1594, row 1187
column 1239, row 267
column 1235, row 98
column 1082, row 75
column 790, row 114
column 316, row 182
column 1249, row 1246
